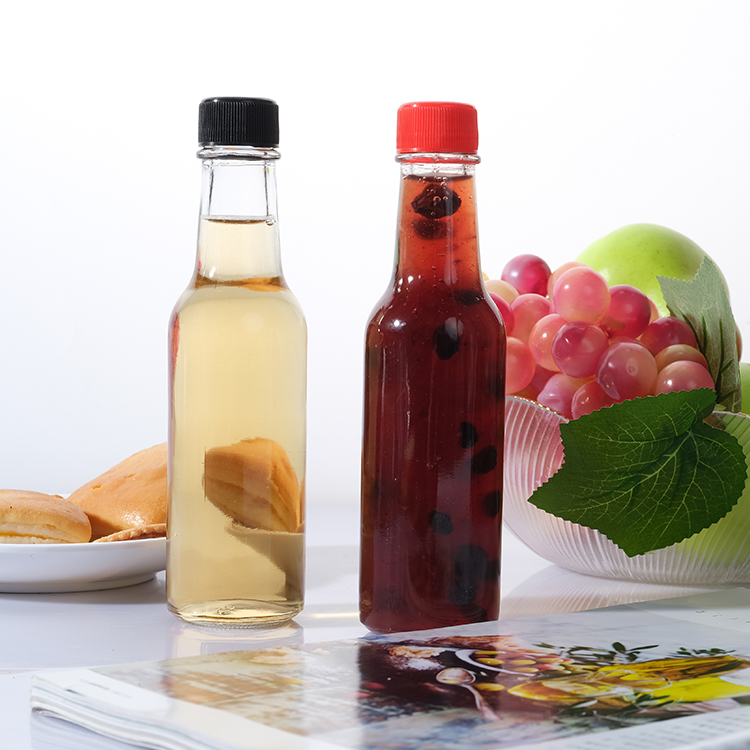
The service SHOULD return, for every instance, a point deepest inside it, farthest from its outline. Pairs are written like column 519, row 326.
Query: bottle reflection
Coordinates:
column 184, row 639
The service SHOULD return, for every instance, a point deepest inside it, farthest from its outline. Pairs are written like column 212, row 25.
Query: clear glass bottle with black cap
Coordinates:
column 434, row 397
column 237, row 426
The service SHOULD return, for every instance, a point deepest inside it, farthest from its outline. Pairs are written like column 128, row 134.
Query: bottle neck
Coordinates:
column 437, row 226
column 238, row 236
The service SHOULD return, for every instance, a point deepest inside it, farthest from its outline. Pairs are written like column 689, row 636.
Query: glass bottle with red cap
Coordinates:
column 434, row 396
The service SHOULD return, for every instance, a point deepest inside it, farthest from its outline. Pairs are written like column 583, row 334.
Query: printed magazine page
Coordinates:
column 668, row 674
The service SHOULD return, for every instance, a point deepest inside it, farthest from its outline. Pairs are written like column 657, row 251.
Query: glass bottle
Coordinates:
column 238, row 349
column 434, row 397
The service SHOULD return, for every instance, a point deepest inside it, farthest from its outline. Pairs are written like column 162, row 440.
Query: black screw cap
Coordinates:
column 238, row 121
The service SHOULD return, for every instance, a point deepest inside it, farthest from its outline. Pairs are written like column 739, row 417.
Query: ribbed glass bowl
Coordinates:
column 719, row 554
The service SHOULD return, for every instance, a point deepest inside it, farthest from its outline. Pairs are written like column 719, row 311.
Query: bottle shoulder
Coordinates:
column 434, row 296
column 418, row 307
column 241, row 294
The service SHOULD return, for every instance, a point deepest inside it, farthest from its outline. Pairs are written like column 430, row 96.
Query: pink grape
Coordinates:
column 541, row 376
column 664, row 332
column 527, row 273
column 581, row 295
column 527, row 310
column 519, row 366
column 540, row 340
column 683, row 376
column 679, row 352
column 558, row 393
column 577, row 349
column 505, row 312
column 529, row 392
column 589, row 397
column 627, row 370
column 629, row 312
column 622, row 339
column 555, row 275
column 502, row 289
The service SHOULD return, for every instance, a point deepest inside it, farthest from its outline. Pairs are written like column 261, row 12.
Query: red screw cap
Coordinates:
column 437, row 128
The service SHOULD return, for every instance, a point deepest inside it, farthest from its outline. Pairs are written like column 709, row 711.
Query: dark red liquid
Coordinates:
column 433, row 428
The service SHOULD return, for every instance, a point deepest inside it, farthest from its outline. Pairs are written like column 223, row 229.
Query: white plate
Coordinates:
column 55, row 568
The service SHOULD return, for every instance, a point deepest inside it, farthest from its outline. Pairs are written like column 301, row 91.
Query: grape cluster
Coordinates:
column 575, row 344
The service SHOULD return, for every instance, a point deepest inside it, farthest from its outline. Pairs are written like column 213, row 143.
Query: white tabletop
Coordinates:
column 56, row 631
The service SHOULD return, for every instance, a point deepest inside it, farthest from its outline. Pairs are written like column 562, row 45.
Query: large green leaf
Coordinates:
column 647, row 473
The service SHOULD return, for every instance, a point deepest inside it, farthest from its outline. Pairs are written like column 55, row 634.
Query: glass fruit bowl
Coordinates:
column 719, row 554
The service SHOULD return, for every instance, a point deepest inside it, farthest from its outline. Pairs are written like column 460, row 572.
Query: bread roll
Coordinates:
column 131, row 494
column 36, row 518
column 253, row 482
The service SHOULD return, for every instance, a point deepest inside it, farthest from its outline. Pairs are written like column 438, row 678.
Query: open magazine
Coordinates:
column 666, row 674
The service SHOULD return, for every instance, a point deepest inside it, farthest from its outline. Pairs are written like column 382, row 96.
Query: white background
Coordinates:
column 592, row 115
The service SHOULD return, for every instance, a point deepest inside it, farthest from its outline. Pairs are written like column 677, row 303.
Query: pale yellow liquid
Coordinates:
column 239, row 372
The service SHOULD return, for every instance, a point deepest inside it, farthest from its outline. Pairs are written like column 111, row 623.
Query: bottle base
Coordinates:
column 384, row 622
column 237, row 613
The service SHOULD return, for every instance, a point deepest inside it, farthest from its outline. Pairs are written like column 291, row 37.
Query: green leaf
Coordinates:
column 648, row 472
column 703, row 303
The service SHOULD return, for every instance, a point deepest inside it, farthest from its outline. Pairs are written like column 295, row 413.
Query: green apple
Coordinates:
column 637, row 253
column 745, row 386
